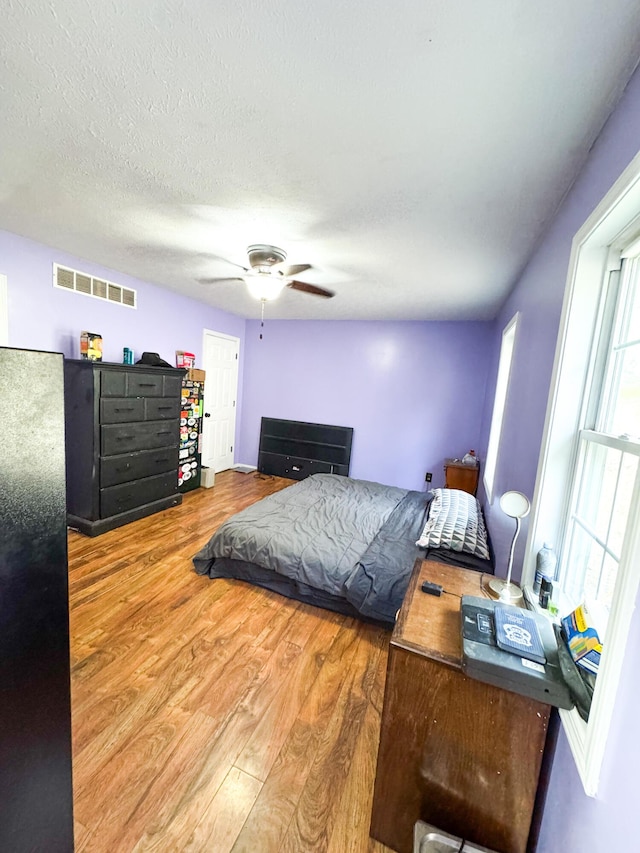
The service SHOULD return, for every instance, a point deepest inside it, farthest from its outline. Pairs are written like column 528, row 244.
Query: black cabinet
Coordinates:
column 122, row 434
column 297, row 449
column 191, row 411
column 36, row 800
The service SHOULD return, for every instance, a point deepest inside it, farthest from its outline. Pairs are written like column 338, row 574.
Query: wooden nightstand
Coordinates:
column 457, row 753
column 460, row 476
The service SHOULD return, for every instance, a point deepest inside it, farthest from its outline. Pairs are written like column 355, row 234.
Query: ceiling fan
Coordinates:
column 267, row 274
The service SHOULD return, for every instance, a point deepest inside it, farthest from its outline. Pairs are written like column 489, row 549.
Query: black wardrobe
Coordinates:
column 36, row 801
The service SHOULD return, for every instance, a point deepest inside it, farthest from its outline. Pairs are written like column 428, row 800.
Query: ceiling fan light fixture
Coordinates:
column 264, row 256
column 265, row 287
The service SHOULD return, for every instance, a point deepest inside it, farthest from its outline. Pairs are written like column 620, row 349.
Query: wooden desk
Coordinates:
column 457, row 753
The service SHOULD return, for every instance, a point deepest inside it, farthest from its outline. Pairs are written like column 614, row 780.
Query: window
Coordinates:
column 499, row 402
column 587, row 496
column 606, row 468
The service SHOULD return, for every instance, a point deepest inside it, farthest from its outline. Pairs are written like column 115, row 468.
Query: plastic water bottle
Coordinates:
column 546, row 561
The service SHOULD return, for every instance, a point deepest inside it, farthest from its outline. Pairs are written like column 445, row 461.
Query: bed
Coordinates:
column 344, row 544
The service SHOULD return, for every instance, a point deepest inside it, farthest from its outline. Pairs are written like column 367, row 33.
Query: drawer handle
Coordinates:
column 164, row 408
column 130, row 409
column 164, row 432
column 160, row 461
column 125, row 468
column 124, row 437
column 147, row 384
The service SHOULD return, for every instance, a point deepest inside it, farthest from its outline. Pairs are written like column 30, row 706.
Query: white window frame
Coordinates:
column 507, row 348
column 596, row 250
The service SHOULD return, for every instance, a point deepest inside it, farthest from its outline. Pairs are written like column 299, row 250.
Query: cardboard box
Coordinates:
column 185, row 359
column 583, row 637
column 90, row 346
column 195, row 374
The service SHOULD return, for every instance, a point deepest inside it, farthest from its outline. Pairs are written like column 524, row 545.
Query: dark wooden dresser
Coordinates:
column 457, row 753
column 122, row 435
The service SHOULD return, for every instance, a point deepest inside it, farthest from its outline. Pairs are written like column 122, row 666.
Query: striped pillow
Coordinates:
column 455, row 522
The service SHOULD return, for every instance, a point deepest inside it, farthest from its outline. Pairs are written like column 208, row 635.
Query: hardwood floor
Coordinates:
column 212, row 715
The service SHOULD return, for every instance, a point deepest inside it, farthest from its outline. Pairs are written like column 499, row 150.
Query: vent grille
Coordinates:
column 83, row 283
column 99, row 288
column 66, row 278
column 128, row 297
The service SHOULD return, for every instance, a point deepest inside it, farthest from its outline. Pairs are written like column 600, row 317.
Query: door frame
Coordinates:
column 227, row 337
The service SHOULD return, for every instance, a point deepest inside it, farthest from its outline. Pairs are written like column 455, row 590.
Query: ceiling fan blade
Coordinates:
column 313, row 289
column 291, row 270
column 217, row 280
column 242, row 267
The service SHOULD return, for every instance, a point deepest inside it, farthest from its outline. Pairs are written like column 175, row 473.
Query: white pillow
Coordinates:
column 455, row 522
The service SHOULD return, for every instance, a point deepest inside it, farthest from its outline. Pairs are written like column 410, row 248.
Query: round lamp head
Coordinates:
column 515, row 504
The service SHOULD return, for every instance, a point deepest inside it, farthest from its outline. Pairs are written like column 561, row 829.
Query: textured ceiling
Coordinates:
column 412, row 152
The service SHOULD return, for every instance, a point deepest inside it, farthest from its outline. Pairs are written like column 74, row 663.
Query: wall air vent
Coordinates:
column 99, row 288
column 81, row 282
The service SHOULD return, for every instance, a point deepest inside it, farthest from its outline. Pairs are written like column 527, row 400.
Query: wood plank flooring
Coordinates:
column 211, row 715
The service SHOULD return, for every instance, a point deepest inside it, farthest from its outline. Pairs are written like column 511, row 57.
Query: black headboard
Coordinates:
column 297, row 449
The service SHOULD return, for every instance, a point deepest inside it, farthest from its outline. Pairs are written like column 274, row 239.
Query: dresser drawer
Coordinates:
column 125, row 438
column 131, row 384
column 172, row 386
column 120, row 410
column 161, row 408
column 135, row 466
column 126, row 496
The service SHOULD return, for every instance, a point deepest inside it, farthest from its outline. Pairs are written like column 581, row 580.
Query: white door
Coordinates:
column 220, row 362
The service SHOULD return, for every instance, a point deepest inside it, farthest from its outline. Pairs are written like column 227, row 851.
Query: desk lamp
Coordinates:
column 515, row 505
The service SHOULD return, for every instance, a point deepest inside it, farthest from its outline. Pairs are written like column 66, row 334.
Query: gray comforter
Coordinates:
column 347, row 539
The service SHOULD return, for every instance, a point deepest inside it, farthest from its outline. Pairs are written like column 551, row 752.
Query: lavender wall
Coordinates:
column 412, row 391
column 45, row 317
column 572, row 822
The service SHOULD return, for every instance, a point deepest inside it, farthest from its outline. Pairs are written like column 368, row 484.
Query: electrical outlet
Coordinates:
column 428, row 476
